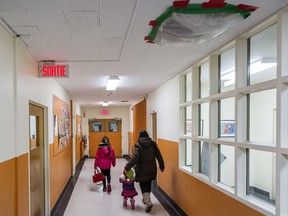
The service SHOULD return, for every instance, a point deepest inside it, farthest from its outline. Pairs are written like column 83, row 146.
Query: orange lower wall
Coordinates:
column 194, row 196
column 60, row 172
column 7, row 187
column 14, row 186
column 23, row 185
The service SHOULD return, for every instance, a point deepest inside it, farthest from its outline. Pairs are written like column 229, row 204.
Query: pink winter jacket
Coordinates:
column 103, row 159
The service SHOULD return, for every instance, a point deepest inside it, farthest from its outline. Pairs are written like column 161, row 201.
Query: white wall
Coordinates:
column 7, row 116
column 19, row 84
column 32, row 88
column 165, row 101
column 114, row 112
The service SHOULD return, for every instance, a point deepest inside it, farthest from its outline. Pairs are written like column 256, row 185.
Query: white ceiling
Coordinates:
column 99, row 38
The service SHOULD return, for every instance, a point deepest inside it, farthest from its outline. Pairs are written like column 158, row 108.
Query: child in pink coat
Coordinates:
column 104, row 158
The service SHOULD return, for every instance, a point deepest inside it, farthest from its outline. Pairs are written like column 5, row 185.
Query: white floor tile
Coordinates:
column 88, row 199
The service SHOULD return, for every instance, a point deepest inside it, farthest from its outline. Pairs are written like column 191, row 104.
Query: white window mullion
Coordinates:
column 240, row 174
column 281, row 184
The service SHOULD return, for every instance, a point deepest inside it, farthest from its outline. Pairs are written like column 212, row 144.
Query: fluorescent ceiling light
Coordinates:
column 112, row 83
column 105, row 103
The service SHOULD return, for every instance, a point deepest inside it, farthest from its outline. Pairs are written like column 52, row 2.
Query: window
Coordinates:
column 204, row 80
column 240, row 127
column 204, row 119
column 188, row 87
column 263, row 56
column 227, row 118
column 204, row 158
column 227, row 70
column 261, row 177
column 188, row 152
column 226, row 165
column 262, row 110
column 188, row 121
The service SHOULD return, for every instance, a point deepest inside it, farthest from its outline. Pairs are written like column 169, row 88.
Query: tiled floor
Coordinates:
column 88, row 199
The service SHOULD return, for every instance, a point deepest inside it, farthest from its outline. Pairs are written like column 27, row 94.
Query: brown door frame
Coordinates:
column 46, row 171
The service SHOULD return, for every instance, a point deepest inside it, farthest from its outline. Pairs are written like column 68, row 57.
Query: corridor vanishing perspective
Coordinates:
column 88, row 198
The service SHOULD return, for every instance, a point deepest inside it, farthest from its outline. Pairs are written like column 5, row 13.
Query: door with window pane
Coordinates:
column 36, row 138
column 112, row 128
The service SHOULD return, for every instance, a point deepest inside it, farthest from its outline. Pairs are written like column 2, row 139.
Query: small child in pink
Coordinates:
column 129, row 191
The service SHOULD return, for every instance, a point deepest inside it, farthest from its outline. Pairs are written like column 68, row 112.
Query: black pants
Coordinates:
column 106, row 173
column 145, row 187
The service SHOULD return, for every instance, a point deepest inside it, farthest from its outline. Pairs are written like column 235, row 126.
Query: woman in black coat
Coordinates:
column 144, row 159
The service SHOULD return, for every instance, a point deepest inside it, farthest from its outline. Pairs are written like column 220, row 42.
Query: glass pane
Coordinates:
column 262, row 118
column 204, row 80
column 113, row 126
column 204, row 158
column 226, row 165
column 227, row 70
column 188, row 121
column 96, row 126
column 262, row 172
column 188, row 153
column 188, row 87
column 227, row 118
column 33, row 131
column 263, row 55
column 204, row 120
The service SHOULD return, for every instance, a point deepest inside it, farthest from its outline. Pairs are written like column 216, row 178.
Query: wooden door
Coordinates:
column 114, row 133
column 36, row 157
column 112, row 128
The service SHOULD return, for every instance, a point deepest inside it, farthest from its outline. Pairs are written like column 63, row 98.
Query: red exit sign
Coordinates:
column 104, row 112
column 57, row 71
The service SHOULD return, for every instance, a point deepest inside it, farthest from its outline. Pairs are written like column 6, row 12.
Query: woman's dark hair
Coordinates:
column 105, row 139
column 143, row 133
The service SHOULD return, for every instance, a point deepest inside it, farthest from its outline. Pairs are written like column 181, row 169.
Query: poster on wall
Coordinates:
column 63, row 128
column 61, row 125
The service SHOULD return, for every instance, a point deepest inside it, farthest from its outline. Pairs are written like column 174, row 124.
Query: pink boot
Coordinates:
column 109, row 188
column 124, row 201
column 132, row 201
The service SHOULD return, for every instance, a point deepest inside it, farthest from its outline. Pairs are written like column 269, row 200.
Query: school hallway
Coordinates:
column 88, row 198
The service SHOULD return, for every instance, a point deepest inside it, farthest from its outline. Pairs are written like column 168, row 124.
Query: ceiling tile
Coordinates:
column 82, row 18
column 17, row 18
column 41, row 5
column 110, row 48
column 6, row 5
column 77, row 5
column 117, row 4
column 115, row 17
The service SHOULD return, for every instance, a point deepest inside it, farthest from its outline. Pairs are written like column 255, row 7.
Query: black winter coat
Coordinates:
column 144, row 159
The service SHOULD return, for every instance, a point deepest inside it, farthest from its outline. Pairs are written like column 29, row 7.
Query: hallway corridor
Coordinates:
column 88, row 199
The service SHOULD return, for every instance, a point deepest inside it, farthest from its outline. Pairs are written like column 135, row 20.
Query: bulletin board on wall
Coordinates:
column 62, row 127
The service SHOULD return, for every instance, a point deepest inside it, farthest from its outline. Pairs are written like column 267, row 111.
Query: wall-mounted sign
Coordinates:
column 49, row 70
column 104, row 112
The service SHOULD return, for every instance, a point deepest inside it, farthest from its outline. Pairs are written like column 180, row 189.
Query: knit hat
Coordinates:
column 130, row 174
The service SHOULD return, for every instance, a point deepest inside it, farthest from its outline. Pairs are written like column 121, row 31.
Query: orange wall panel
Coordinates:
column 22, row 185
column 8, row 187
column 192, row 195
column 60, row 172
